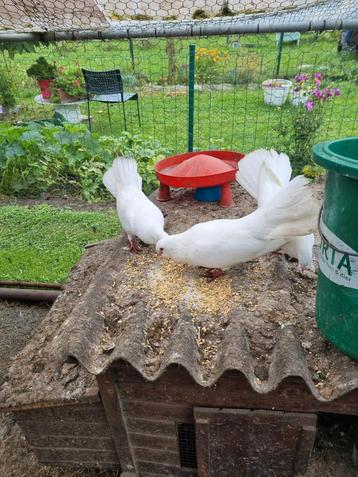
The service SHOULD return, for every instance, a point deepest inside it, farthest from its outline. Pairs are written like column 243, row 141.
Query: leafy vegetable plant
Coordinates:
column 45, row 157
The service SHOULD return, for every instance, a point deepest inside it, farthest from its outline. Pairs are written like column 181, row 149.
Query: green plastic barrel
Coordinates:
column 337, row 287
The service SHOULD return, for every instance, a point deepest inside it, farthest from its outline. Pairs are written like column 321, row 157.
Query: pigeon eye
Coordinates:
column 161, row 249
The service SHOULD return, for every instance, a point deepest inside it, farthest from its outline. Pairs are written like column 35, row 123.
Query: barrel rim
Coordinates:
column 324, row 156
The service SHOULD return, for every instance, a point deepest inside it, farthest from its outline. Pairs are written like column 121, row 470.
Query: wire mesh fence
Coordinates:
column 174, row 17
column 228, row 109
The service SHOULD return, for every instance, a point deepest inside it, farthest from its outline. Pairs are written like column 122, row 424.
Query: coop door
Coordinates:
column 237, row 442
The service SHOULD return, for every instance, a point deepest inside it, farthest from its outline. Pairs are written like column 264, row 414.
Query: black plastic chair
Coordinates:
column 107, row 87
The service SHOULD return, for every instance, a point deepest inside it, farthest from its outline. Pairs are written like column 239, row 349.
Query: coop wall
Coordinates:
column 71, row 435
column 155, row 413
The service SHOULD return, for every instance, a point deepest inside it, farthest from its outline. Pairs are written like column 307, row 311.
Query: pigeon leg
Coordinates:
column 214, row 273
column 134, row 246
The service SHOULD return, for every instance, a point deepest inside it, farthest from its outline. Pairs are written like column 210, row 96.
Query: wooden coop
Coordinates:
column 143, row 365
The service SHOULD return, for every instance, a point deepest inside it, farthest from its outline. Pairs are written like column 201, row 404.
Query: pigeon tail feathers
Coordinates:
column 123, row 173
column 263, row 173
column 292, row 212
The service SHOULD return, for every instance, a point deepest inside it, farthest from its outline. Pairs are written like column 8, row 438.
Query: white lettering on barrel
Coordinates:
column 339, row 267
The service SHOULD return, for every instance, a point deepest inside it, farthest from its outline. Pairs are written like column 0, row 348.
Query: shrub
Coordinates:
column 300, row 124
column 207, row 62
column 7, row 89
column 141, row 17
column 199, row 14
column 42, row 157
column 226, row 10
column 313, row 171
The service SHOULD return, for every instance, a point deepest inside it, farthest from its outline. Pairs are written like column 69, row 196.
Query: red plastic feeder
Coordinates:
column 199, row 170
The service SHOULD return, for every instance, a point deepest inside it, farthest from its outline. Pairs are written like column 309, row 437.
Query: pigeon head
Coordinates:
column 171, row 246
column 164, row 246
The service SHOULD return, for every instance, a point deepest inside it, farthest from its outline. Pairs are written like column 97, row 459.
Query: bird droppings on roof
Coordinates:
column 151, row 313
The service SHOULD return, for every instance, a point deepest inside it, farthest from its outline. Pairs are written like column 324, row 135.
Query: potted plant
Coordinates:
column 68, row 89
column 69, row 85
column 303, row 87
column 276, row 91
column 44, row 73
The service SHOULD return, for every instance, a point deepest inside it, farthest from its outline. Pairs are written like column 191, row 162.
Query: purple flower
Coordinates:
column 336, row 91
column 318, row 76
column 301, row 78
column 317, row 93
column 317, row 82
column 309, row 105
column 327, row 93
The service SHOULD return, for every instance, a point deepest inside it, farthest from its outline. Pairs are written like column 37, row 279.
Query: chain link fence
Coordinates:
column 237, row 46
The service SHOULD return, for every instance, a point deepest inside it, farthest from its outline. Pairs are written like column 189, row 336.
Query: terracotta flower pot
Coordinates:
column 45, row 87
column 66, row 98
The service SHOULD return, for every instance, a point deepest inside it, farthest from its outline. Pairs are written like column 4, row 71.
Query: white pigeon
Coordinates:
column 263, row 173
column 138, row 215
column 220, row 244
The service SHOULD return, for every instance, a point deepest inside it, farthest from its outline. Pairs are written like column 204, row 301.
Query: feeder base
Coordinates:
column 164, row 193
column 226, row 196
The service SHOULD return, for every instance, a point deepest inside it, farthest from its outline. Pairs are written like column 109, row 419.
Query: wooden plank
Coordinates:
column 156, row 428
column 154, row 442
column 144, row 468
column 68, row 463
column 64, row 428
column 79, row 412
column 116, row 421
column 232, row 390
column 81, row 456
column 158, row 410
column 91, row 396
column 94, row 442
column 241, row 442
column 202, row 445
column 305, row 448
column 158, row 456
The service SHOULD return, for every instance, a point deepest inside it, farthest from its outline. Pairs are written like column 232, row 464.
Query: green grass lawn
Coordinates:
column 42, row 243
column 233, row 119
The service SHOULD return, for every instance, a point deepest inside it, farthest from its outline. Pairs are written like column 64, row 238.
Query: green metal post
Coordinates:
column 279, row 54
column 131, row 52
column 191, row 84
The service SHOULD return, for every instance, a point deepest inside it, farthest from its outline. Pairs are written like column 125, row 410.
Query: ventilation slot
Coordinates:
column 187, row 447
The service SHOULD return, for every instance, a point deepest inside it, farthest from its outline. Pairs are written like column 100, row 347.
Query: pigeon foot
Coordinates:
column 213, row 274
column 134, row 246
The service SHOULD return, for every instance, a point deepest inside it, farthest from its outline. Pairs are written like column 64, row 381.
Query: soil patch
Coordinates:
column 18, row 323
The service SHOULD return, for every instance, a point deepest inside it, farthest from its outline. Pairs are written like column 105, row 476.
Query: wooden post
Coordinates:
column 115, row 421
